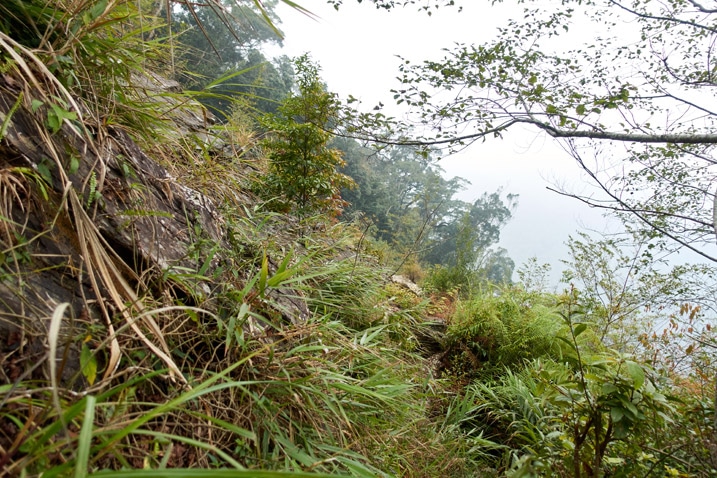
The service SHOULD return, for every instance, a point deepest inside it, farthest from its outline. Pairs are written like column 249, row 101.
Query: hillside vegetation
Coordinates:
column 204, row 274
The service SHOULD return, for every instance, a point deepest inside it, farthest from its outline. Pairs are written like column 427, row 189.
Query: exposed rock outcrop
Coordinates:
column 90, row 219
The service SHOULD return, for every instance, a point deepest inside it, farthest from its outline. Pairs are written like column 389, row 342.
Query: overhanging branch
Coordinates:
column 679, row 138
column 555, row 132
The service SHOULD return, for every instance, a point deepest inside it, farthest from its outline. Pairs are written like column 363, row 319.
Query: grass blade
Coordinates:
column 85, row 441
column 195, row 473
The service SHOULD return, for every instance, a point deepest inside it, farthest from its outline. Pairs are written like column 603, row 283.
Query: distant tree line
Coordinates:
column 222, row 56
column 400, row 189
column 414, row 208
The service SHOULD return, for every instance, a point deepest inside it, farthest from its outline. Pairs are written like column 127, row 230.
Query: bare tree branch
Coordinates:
column 623, row 206
column 664, row 19
column 555, row 132
column 702, row 8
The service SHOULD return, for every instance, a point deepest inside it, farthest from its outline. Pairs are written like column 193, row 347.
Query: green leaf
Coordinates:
column 572, row 346
column 629, row 407
column 282, row 273
column 74, row 164
column 88, row 364
column 8, row 116
column 284, row 264
column 97, row 10
column 621, row 429
column 580, row 109
column 53, row 122
column 36, row 104
column 551, row 109
column 296, row 453
column 43, row 167
column 616, row 414
column 207, row 262
column 358, row 469
column 579, row 329
column 57, row 115
column 208, row 473
column 85, row 440
column 263, row 275
column 608, row 388
column 240, row 318
column 636, row 373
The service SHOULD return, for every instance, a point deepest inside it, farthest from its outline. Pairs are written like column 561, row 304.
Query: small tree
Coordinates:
column 303, row 171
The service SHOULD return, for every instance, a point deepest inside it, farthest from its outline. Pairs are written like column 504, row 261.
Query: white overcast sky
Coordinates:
column 357, row 50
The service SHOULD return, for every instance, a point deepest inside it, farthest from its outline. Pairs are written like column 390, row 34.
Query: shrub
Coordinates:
column 303, row 171
column 491, row 332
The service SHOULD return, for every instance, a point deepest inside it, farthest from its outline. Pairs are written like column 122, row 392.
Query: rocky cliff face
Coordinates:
column 88, row 218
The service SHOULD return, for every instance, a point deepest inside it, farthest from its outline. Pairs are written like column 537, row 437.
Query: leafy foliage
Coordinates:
column 303, row 169
column 221, row 55
column 490, row 333
column 625, row 289
column 273, row 347
column 585, row 411
column 610, row 97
